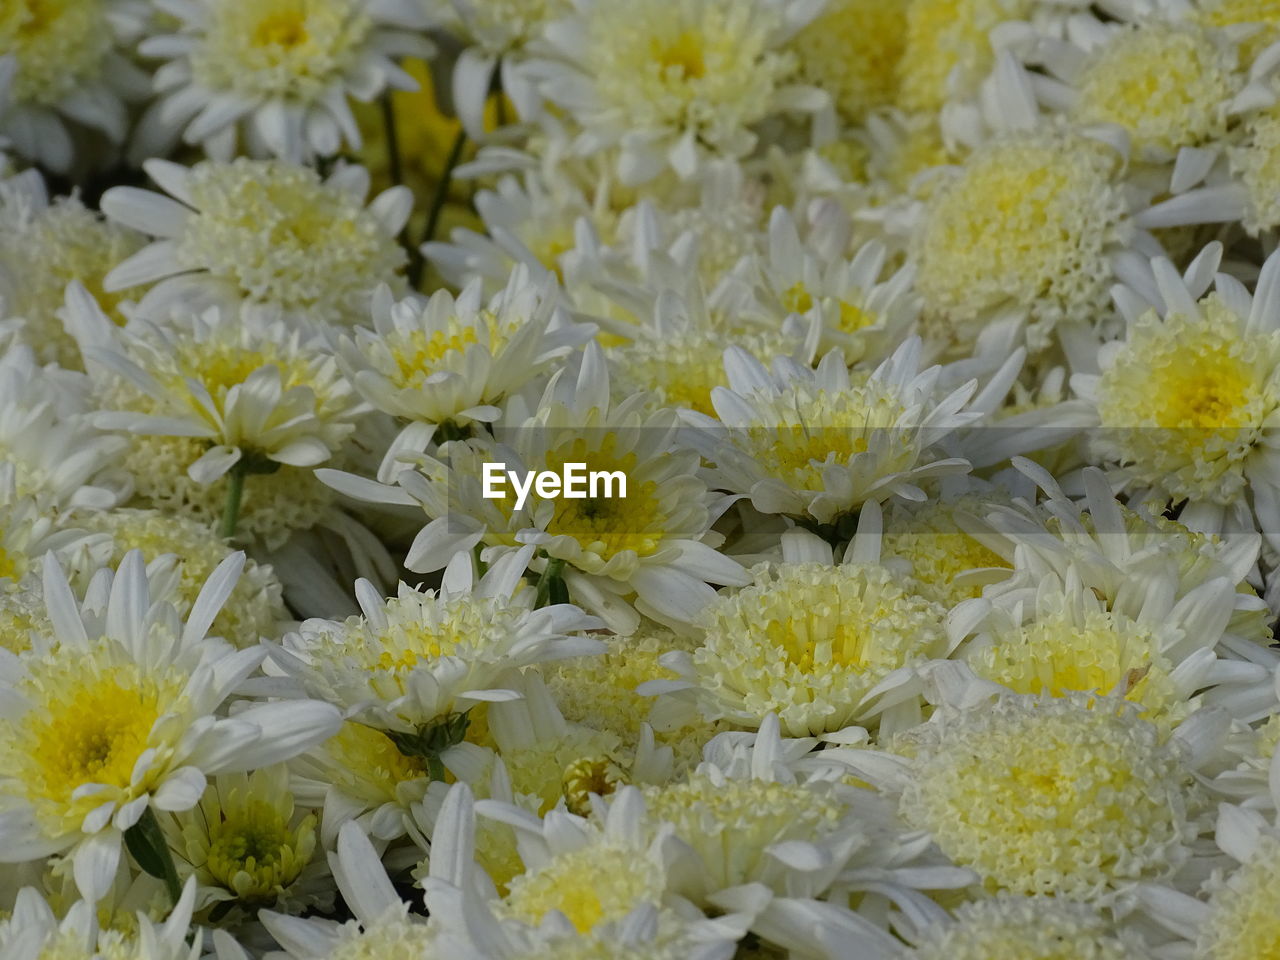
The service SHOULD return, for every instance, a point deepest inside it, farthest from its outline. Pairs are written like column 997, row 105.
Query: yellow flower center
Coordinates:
column 418, row 354
column 59, row 44
column 594, row 884
column 88, row 724
column 608, row 525
column 290, row 48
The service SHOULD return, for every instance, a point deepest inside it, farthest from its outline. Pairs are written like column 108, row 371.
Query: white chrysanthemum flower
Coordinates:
column 821, row 645
column 1030, row 928
column 953, row 555
column 27, row 533
column 844, row 298
column 853, row 50
column 651, row 552
column 44, row 246
column 1103, row 800
column 817, row 444
column 117, row 713
column 260, row 233
column 360, row 774
column 249, row 846
column 274, row 76
column 533, row 220
column 948, row 50
column 1129, row 559
column 1029, row 222
column 64, row 71
column 254, row 393
column 687, row 78
column 1167, row 83
column 34, row 932
column 1236, row 913
column 414, row 665
column 449, row 359
column 188, row 552
column 57, row 455
column 1186, row 401
column 1067, row 639
column 591, row 891
column 495, row 35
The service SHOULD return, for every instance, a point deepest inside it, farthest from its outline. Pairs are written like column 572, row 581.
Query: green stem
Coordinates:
column 553, row 572
column 235, row 491
column 441, row 196
column 435, row 767
column 393, row 140
column 146, row 842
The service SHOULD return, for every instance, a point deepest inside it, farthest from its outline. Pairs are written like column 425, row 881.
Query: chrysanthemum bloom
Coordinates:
column 821, row 645
column 817, row 444
column 186, row 552
column 651, row 552
column 260, row 233
column 686, row 78
column 255, row 393
column 496, row 35
column 1168, row 84
column 64, row 71
column 44, row 246
column 449, row 360
column 853, row 50
column 1035, row 928
column 249, row 846
column 1187, row 400
column 274, row 76
column 1029, row 222
column 1103, row 801
column 414, row 665
column 34, row 932
column 120, row 711
column 57, row 455
column 1236, row 913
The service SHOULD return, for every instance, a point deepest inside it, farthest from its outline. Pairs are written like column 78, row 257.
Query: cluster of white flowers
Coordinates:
column 922, row 358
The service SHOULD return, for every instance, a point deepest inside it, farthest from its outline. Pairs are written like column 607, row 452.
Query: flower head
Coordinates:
column 260, row 234
column 277, row 73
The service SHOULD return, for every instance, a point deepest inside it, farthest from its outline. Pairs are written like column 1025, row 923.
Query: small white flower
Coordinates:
column 119, row 711
column 274, row 75
column 264, row 234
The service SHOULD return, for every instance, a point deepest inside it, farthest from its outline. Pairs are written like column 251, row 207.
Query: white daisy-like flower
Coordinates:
column 44, row 245
column 274, row 76
column 687, row 78
column 1236, row 913
column 817, row 444
column 854, row 309
column 414, row 665
column 496, row 35
column 1104, row 800
column 57, row 454
column 256, row 393
column 449, row 360
column 260, row 233
column 118, row 712
column 1036, row 928
column 65, row 71
column 1185, row 402
column 650, row 552
column 35, row 932
column 821, row 645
